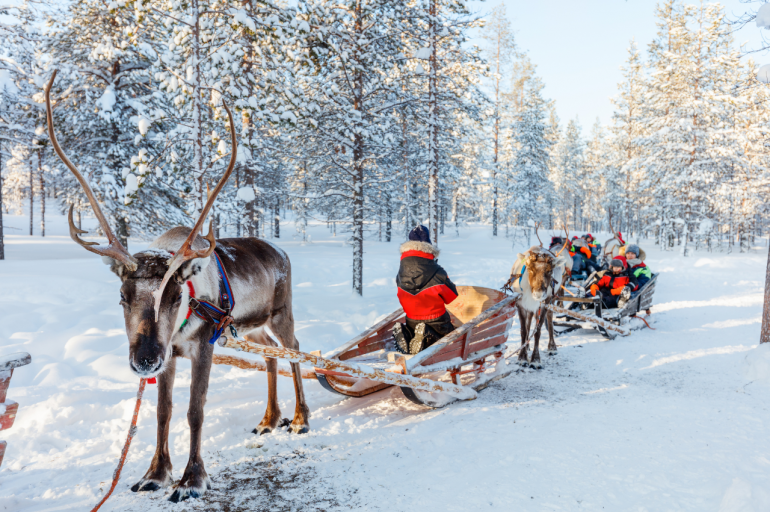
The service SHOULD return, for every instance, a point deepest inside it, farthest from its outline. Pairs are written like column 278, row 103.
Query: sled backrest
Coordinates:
column 471, row 301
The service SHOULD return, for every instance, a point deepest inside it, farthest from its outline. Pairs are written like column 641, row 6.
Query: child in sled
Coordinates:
column 424, row 289
column 635, row 257
column 615, row 285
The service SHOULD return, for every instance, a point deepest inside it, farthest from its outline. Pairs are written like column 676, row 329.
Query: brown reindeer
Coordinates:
column 538, row 275
column 155, row 296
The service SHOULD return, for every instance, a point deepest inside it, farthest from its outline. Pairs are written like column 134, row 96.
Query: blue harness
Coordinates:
column 212, row 314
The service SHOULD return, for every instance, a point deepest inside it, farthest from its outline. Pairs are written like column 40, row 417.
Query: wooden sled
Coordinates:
column 609, row 322
column 472, row 356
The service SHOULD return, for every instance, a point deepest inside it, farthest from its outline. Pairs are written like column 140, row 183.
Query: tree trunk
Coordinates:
column 122, row 230
column 764, row 336
column 31, row 197
column 195, row 92
column 358, row 174
column 433, row 123
column 277, row 219
column 42, row 192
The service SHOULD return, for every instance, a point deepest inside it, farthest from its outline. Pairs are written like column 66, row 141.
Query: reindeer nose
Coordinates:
column 145, row 366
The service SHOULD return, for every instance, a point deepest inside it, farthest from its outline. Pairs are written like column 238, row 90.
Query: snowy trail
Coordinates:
column 661, row 420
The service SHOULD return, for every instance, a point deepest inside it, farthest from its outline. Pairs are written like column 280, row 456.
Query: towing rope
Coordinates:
column 645, row 321
column 124, row 453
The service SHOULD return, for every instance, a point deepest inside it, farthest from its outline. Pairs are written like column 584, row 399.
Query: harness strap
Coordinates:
column 208, row 312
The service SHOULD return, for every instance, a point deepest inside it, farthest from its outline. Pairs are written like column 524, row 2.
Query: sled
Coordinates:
column 609, row 322
column 9, row 408
column 471, row 356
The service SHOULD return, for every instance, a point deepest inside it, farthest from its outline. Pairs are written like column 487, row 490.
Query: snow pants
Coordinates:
column 434, row 329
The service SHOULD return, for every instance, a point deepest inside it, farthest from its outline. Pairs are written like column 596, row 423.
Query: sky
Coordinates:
column 579, row 46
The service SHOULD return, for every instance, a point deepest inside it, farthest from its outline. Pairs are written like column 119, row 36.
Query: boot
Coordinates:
column 401, row 344
column 417, row 341
column 625, row 295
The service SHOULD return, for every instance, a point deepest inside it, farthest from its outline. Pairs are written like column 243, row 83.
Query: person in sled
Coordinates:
column 635, row 257
column 424, row 289
column 582, row 257
column 615, row 285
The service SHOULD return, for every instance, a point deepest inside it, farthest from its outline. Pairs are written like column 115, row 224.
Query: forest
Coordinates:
column 374, row 116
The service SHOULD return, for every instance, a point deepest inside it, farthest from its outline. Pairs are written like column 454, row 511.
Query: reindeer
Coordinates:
column 156, row 295
column 538, row 275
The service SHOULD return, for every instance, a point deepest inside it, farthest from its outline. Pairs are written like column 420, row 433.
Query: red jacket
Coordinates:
column 424, row 288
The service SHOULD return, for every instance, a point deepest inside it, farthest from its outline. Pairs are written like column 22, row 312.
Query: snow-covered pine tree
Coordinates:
column 530, row 186
column 500, row 52
column 104, row 92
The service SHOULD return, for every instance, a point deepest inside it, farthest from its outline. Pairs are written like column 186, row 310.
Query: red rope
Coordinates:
column 124, row 453
column 645, row 321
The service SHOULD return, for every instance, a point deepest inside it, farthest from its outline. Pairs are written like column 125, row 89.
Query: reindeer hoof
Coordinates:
column 522, row 362
column 552, row 352
column 182, row 493
column 299, row 429
column 152, row 483
column 536, row 365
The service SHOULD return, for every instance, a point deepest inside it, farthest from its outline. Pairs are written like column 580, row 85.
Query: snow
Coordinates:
column 246, row 194
column 107, row 100
column 132, row 184
column 763, row 17
column 670, row 419
column 143, row 124
column 763, row 75
column 422, row 53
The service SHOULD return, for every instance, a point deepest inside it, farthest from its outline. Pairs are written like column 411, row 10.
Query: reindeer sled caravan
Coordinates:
column 188, row 292
column 586, row 309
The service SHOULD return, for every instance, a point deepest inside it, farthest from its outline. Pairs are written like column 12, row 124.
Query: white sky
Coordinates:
column 579, row 46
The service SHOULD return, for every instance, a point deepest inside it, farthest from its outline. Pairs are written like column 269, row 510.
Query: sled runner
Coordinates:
column 609, row 322
column 471, row 356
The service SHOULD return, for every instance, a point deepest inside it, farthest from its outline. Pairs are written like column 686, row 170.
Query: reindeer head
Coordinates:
column 150, row 297
column 540, row 265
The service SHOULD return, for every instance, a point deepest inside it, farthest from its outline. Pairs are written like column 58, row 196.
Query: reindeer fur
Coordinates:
column 541, row 281
column 260, row 276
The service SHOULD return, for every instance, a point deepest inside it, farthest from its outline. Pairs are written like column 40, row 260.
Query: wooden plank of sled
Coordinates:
column 457, row 362
column 589, row 318
column 352, row 369
column 458, row 333
column 366, row 349
column 9, row 408
column 5, row 382
column 587, row 300
column 371, row 331
column 11, row 361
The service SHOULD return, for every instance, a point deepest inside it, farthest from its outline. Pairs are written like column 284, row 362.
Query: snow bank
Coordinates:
column 757, row 365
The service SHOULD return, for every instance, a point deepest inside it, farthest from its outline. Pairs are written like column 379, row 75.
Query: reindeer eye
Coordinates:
column 122, row 297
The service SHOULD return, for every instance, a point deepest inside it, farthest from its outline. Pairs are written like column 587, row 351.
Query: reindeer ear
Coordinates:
column 191, row 268
column 117, row 267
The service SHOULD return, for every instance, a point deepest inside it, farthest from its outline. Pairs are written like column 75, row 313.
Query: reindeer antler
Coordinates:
column 566, row 241
column 185, row 253
column 612, row 230
column 538, row 236
column 114, row 249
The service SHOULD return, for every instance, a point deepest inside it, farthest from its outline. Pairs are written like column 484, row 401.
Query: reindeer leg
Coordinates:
column 300, row 424
column 551, row 339
column 195, row 481
column 524, row 318
column 282, row 324
column 272, row 419
column 535, row 361
column 159, row 474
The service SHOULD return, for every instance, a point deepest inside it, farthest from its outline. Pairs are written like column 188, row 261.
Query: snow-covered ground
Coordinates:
column 670, row 419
